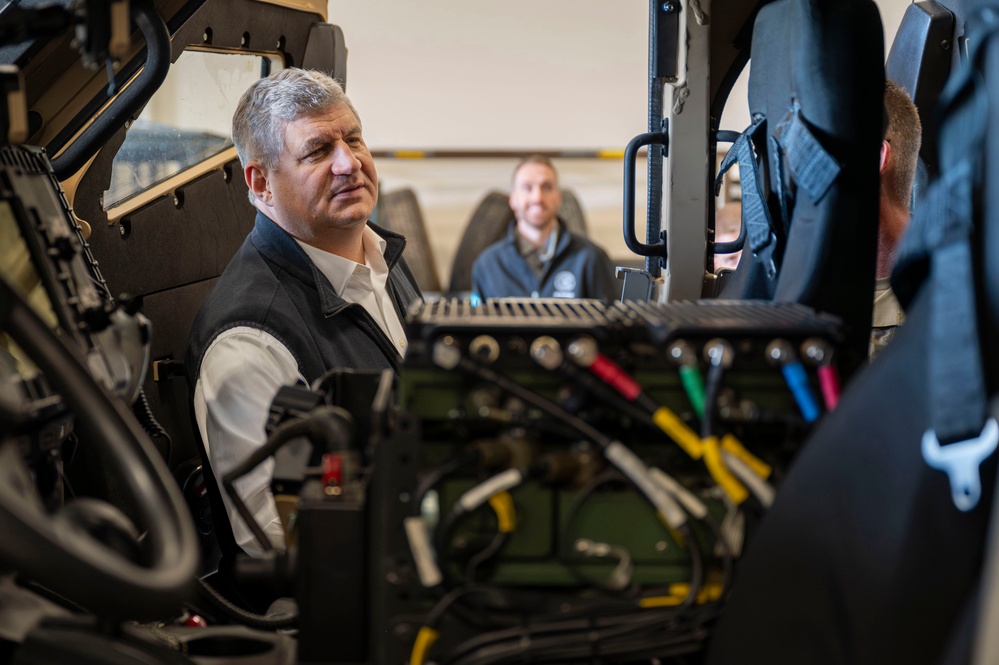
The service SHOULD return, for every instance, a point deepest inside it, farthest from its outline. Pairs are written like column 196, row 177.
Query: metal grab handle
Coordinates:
column 729, row 136
column 630, row 159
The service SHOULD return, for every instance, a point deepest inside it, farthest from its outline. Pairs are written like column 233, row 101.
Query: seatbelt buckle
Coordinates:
column 961, row 461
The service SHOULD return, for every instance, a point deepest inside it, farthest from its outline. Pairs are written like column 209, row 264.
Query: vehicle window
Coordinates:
column 186, row 122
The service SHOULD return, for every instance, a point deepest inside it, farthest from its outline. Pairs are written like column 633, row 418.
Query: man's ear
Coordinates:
column 885, row 156
column 256, row 179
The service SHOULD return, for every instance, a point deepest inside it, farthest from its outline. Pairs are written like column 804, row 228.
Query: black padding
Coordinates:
column 487, row 225
column 920, row 60
column 837, row 49
column 571, row 212
column 172, row 313
column 167, row 245
column 863, row 558
column 399, row 211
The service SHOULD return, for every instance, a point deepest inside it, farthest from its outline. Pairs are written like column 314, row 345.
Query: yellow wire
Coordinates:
column 424, row 640
column 732, row 445
column 502, row 504
column 679, row 431
column 678, row 593
column 716, row 467
column 697, row 447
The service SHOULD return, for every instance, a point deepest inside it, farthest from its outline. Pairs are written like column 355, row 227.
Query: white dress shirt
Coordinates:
column 243, row 369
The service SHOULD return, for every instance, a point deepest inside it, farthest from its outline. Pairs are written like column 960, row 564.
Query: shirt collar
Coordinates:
column 339, row 270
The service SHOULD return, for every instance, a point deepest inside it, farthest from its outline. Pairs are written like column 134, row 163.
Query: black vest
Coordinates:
column 272, row 285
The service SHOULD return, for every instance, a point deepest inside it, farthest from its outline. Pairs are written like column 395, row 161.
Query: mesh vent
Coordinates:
column 513, row 314
column 734, row 317
column 656, row 323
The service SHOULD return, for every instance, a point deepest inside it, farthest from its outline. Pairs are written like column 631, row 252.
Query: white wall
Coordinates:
column 510, row 74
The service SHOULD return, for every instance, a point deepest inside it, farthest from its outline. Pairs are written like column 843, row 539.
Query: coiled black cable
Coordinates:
column 144, row 414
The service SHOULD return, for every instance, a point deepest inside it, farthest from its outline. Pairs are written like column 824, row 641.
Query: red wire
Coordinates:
column 610, row 373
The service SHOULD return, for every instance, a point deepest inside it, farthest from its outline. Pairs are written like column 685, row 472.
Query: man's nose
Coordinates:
column 344, row 160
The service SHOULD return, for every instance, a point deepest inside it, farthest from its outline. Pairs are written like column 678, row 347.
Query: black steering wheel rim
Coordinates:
column 66, row 559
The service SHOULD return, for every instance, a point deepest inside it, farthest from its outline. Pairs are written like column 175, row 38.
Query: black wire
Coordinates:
column 434, row 478
column 566, row 558
column 444, row 604
column 712, row 387
column 249, row 619
column 727, row 556
column 696, row 567
column 597, row 648
column 144, row 413
column 527, row 642
column 330, row 424
column 640, row 410
column 537, row 401
column 495, row 545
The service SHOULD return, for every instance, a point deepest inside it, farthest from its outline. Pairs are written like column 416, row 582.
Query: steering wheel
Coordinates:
column 54, row 550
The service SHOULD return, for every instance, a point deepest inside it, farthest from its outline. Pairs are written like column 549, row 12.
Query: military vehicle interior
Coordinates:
column 707, row 469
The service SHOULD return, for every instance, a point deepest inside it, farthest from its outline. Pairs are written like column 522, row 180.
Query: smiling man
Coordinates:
column 314, row 287
column 540, row 257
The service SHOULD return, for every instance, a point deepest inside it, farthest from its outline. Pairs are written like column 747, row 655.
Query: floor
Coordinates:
column 449, row 189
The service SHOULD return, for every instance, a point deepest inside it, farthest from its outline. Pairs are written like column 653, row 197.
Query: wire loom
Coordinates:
column 644, row 625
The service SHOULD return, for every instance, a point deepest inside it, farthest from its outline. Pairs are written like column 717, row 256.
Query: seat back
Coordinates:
column 399, row 211
column 920, row 59
column 872, row 553
column 815, row 94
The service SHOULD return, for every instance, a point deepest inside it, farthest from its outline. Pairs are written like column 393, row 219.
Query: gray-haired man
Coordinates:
column 315, row 286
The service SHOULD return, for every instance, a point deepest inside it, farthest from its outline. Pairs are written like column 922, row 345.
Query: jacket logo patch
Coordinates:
column 565, row 285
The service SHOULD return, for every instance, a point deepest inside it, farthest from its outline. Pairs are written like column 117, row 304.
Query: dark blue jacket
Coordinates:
column 579, row 269
column 271, row 284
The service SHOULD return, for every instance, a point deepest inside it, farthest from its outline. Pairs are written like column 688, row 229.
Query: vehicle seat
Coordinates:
column 399, row 211
column 488, row 225
column 871, row 553
column 815, row 95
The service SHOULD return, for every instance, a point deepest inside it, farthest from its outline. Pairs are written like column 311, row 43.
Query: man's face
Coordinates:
column 536, row 198
column 325, row 177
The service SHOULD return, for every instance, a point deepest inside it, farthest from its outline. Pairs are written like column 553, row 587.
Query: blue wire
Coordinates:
column 797, row 381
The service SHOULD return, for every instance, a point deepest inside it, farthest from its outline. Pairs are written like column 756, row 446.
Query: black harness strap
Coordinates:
column 811, row 168
column 755, row 214
column 941, row 234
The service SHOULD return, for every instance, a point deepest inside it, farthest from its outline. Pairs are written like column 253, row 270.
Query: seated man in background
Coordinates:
column 899, row 157
column 540, row 257
column 315, row 286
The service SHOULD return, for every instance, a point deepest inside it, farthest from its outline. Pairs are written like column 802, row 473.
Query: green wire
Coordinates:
column 694, row 385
